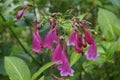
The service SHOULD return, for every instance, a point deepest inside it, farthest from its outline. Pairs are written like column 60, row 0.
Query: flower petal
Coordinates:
column 78, row 43
column 37, row 43
column 65, row 68
column 88, row 37
column 57, row 56
column 48, row 42
column 37, row 40
column 92, row 53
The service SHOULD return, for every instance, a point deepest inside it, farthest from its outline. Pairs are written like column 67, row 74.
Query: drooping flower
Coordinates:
column 57, row 56
column 65, row 69
column 72, row 39
column 88, row 37
column 52, row 36
column 61, row 56
column 78, row 43
column 92, row 53
column 48, row 42
column 37, row 41
column 20, row 13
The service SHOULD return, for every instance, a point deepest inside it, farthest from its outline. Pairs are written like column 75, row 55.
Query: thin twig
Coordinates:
column 19, row 41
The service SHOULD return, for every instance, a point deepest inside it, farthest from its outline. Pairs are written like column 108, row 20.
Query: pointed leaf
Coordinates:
column 43, row 68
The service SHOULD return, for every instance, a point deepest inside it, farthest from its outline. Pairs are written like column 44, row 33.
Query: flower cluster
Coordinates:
column 80, row 42
column 77, row 39
column 59, row 54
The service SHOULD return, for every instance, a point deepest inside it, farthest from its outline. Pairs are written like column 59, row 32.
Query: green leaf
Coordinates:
column 74, row 58
column 43, row 68
column 108, row 23
column 17, row 69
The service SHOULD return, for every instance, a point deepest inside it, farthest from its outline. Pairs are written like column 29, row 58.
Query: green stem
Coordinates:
column 19, row 41
column 34, row 9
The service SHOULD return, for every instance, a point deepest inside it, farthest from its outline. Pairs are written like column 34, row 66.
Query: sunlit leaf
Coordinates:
column 17, row 69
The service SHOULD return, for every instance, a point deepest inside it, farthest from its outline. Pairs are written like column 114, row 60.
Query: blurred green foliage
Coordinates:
column 104, row 16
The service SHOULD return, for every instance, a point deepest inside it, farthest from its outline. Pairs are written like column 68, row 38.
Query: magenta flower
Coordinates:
column 78, row 43
column 84, row 43
column 57, row 56
column 52, row 36
column 48, row 42
column 92, row 53
column 72, row 39
column 76, row 40
column 88, row 37
column 37, row 41
column 20, row 13
column 65, row 68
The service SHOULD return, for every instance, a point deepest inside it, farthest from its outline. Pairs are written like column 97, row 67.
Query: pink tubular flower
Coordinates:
column 52, row 36
column 48, row 42
column 78, row 43
column 92, row 53
column 57, row 56
column 65, row 68
column 72, row 39
column 20, row 13
column 88, row 37
column 37, row 41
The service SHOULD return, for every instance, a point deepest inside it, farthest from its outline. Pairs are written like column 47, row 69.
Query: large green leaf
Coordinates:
column 43, row 68
column 17, row 69
column 109, row 23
